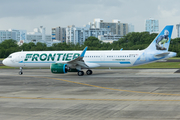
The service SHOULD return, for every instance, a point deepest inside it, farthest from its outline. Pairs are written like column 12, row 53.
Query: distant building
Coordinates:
column 130, row 28
column 12, row 34
column 178, row 30
column 152, row 26
column 74, row 35
column 116, row 27
column 59, row 33
column 109, row 38
column 80, row 34
column 111, row 31
column 38, row 35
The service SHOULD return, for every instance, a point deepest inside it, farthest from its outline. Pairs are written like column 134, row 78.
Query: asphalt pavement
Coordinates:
column 113, row 94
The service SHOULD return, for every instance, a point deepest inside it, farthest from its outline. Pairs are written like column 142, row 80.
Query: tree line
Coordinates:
column 132, row 41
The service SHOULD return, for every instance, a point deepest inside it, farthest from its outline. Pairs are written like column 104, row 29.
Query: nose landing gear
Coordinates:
column 20, row 72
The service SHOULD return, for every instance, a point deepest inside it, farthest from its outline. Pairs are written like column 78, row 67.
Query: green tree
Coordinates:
column 7, row 47
column 6, row 44
column 93, row 43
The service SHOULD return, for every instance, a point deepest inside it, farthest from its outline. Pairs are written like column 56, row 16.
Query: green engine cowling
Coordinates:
column 59, row 68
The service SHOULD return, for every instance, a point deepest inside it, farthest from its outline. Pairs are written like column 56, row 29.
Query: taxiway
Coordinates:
column 108, row 94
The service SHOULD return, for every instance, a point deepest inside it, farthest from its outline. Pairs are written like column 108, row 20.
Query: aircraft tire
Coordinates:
column 80, row 73
column 20, row 72
column 89, row 72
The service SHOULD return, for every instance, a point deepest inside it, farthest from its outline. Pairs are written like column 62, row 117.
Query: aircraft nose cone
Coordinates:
column 4, row 62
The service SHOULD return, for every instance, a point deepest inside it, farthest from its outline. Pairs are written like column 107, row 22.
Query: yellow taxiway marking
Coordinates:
column 40, row 98
column 111, row 88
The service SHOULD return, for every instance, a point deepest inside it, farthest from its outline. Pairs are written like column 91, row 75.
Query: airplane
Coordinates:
column 74, row 61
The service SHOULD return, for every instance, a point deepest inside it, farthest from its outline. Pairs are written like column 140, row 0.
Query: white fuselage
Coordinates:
column 116, row 58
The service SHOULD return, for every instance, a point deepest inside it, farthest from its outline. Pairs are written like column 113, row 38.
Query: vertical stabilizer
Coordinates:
column 162, row 41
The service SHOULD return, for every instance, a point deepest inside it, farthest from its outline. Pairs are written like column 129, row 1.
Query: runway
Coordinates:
column 108, row 94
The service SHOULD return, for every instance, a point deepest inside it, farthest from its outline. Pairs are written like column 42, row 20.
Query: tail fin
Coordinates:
column 162, row 41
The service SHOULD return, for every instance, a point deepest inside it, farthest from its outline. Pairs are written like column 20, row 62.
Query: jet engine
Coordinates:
column 59, row 68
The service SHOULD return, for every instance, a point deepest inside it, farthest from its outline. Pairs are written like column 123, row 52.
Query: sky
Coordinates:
column 29, row 14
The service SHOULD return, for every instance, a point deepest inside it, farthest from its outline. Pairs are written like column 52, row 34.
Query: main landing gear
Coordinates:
column 80, row 73
column 20, row 72
column 88, row 72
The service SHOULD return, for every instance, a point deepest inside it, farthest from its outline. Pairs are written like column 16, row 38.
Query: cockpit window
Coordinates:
column 10, row 56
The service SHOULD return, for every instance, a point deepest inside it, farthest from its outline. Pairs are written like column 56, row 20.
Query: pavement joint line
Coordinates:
column 168, row 94
column 40, row 98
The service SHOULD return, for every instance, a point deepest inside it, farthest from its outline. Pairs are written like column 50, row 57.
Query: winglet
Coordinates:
column 84, row 51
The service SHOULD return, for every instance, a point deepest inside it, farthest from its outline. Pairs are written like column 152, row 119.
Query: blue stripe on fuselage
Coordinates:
column 125, row 62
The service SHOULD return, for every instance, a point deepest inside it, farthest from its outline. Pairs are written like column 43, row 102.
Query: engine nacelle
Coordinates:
column 59, row 68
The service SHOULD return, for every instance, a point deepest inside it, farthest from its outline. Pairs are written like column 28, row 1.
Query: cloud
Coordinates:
column 51, row 13
column 33, row 8
column 167, row 13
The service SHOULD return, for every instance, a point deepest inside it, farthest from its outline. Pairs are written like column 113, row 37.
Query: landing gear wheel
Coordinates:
column 89, row 72
column 80, row 73
column 20, row 72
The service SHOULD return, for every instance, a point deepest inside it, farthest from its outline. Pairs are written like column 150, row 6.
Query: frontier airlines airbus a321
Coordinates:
column 74, row 61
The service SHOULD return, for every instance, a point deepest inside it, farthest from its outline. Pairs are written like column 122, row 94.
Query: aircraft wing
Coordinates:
column 162, row 54
column 78, row 63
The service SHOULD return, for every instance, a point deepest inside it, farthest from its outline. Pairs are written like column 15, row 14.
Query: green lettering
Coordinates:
column 59, row 55
column 51, row 57
column 76, row 55
column 28, row 56
column 35, row 57
column 69, row 56
column 64, row 56
column 42, row 58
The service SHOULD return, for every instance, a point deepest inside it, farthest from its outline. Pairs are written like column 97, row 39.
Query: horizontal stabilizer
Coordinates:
column 162, row 54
